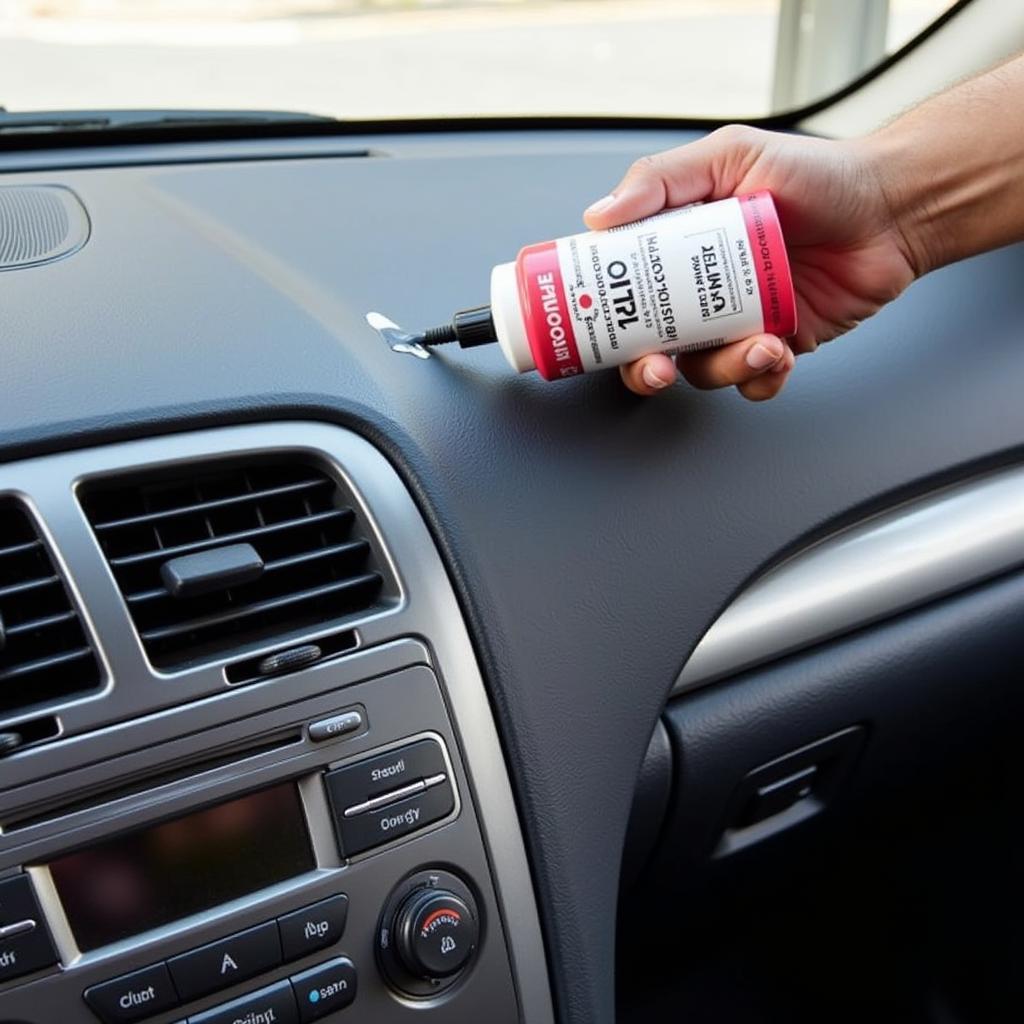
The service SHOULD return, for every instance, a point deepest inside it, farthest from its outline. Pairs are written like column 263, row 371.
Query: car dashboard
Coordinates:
column 352, row 679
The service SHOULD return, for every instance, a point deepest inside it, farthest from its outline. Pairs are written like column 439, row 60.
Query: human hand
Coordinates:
column 848, row 255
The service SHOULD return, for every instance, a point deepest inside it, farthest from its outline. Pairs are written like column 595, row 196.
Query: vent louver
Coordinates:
column 44, row 654
column 292, row 518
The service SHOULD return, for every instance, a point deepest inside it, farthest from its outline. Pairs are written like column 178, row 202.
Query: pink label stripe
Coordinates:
column 549, row 327
column 771, row 262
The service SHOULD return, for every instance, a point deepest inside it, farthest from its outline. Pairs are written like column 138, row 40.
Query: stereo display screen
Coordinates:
column 157, row 875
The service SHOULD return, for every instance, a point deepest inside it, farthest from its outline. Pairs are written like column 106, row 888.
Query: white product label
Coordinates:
column 677, row 282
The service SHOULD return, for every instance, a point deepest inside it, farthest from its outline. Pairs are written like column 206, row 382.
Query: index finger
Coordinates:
column 710, row 168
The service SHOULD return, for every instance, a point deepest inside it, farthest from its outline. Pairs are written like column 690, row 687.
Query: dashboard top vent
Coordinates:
column 39, row 224
column 225, row 554
column 44, row 654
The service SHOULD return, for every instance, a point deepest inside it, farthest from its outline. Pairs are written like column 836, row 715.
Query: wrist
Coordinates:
column 908, row 193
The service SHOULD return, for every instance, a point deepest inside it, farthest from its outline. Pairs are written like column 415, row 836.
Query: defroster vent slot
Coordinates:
column 175, row 542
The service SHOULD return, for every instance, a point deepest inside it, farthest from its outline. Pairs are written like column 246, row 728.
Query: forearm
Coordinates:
column 952, row 169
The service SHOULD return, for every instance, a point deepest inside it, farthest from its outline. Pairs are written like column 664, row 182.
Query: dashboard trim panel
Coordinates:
column 898, row 560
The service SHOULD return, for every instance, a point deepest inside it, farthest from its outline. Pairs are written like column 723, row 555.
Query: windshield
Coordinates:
column 372, row 59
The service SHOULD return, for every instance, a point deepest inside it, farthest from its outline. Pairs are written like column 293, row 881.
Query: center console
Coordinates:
column 288, row 820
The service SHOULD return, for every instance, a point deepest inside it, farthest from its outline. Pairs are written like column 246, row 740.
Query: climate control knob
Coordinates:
column 435, row 933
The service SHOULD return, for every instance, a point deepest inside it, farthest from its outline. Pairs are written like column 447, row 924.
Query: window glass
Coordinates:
column 428, row 58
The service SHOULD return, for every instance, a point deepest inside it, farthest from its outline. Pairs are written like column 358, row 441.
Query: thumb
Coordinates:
column 711, row 168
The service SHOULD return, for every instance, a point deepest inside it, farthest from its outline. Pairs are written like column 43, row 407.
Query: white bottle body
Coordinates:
column 687, row 279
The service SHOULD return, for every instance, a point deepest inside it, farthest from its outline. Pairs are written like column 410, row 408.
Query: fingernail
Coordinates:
column 652, row 380
column 601, row 204
column 764, row 353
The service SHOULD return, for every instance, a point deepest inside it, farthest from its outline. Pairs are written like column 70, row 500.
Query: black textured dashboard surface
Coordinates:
column 593, row 536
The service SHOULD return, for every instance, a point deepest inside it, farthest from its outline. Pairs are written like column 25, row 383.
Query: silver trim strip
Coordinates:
column 396, row 794
column 53, row 914
column 900, row 559
column 387, row 798
column 9, row 931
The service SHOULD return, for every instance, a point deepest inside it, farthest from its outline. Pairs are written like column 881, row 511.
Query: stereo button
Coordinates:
column 325, row 989
column 272, row 1005
column 373, row 828
column 339, row 725
column 134, row 996
column 222, row 964
column 313, row 928
column 17, row 901
column 25, row 944
column 30, row 951
column 357, row 783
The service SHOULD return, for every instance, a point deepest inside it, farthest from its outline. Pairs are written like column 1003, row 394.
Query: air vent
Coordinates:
column 44, row 654
column 227, row 555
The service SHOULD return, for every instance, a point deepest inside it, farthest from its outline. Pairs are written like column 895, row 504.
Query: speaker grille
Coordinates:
column 39, row 223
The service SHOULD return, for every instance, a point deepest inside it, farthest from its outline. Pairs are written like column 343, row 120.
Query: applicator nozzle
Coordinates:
column 470, row 327
column 438, row 335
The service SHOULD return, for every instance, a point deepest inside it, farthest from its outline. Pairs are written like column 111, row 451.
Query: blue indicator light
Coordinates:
column 314, row 996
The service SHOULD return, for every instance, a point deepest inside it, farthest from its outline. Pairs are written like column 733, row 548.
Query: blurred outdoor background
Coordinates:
column 413, row 58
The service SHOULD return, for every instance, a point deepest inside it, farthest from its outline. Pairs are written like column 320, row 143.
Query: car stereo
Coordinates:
column 279, row 800
column 332, row 861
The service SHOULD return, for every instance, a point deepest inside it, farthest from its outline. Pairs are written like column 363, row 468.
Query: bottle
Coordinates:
column 687, row 279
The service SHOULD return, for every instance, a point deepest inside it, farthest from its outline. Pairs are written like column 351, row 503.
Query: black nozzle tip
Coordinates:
column 470, row 327
column 438, row 335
